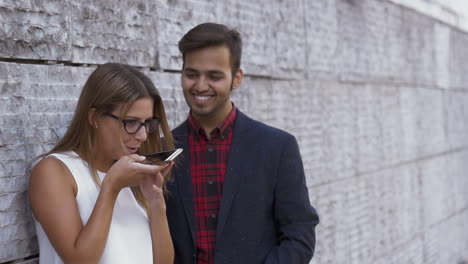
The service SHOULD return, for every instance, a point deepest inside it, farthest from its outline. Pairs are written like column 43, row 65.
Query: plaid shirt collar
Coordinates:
column 222, row 129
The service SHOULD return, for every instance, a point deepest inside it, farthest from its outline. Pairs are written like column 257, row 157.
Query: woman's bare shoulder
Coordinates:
column 51, row 173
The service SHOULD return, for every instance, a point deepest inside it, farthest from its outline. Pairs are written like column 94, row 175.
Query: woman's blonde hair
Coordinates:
column 112, row 85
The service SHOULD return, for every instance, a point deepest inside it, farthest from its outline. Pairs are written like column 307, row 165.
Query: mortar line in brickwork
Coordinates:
column 21, row 260
column 398, row 84
column 399, row 246
column 450, row 17
column 45, row 62
column 256, row 76
column 447, row 218
column 423, row 231
column 417, row 160
column 392, row 166
column 151, row 69
column 62, row 63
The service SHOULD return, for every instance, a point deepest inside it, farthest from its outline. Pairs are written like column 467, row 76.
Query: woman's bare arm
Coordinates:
column 52, row 191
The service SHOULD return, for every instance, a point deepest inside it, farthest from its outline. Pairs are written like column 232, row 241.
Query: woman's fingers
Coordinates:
column 165, row 171
column 136, row 157
column 150, row 168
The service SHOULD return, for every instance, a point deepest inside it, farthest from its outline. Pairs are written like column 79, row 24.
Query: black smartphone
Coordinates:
column 162, row 157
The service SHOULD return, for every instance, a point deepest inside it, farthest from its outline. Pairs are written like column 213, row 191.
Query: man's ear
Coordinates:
column 92, row 117
column 237, row 79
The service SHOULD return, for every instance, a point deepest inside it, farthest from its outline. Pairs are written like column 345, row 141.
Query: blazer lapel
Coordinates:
column 236, row 167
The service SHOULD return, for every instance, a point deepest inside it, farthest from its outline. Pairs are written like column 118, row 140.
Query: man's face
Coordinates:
column 207, row 82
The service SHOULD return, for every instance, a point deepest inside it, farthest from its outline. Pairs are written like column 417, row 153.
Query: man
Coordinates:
column 238, row 193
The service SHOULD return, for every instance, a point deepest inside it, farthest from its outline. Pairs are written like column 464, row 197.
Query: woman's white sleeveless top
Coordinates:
column 129, row 239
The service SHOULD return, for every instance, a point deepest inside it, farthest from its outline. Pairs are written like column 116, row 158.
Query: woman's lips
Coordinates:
column 132, row 150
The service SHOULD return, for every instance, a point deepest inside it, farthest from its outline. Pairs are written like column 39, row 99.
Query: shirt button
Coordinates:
column 213, row 215
column 210, row 149
column 210, row 182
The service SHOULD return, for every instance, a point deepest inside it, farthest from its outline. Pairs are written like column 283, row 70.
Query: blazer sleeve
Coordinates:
column 295, row 218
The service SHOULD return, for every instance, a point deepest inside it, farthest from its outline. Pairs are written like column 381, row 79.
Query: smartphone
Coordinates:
column 159, row 158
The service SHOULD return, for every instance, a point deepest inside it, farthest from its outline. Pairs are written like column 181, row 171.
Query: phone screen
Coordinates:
column 162, row 157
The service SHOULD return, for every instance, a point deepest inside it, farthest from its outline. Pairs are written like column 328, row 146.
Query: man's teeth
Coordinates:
column 202, row 98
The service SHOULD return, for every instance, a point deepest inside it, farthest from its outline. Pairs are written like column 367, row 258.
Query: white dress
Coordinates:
column 129, row 238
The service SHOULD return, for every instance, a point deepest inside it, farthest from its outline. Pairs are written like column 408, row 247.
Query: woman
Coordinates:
column 85, row 211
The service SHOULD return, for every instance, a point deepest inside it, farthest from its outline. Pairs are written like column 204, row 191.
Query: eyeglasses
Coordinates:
column 133, row 126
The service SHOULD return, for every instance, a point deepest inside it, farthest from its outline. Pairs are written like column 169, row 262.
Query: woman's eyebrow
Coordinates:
column 137, row 118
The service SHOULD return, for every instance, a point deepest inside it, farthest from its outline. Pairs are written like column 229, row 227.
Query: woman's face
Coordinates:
column 112, row 139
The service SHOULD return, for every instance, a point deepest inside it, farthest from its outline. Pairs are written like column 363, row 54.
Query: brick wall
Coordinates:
column 376, row 93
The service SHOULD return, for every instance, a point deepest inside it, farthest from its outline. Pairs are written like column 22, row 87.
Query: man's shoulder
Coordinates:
column 244, row 123
column 258, row 127
column 181, row 128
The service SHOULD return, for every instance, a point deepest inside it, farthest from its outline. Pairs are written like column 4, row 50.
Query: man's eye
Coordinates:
column 190, row 75
column 216, row 77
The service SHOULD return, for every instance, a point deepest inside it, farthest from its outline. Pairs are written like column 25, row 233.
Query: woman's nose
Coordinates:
column 141, row 134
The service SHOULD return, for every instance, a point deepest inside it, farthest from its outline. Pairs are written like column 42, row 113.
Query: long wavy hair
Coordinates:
column 112, row 85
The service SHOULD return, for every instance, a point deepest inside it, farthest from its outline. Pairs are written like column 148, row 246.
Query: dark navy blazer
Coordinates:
column 265, row 214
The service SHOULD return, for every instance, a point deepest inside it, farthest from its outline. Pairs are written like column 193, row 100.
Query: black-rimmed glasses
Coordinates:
column 132, row 126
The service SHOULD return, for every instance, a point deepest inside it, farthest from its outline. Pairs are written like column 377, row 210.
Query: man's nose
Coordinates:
column 202, row 84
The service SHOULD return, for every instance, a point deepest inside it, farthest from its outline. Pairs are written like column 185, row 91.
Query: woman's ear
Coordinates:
column 92, row 117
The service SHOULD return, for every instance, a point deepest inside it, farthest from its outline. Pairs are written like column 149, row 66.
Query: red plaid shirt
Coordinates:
column 208, row 162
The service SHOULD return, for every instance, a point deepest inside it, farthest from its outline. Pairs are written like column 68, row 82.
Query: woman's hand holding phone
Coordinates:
column 129, row 171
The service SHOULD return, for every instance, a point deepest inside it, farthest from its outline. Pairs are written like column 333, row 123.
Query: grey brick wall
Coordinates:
column 376, row 93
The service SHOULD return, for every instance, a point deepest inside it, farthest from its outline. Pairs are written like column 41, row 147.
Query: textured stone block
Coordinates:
column 352, row 36
column 458, row 58
column 456, row 125
column 287, row 27
column 345, row 210
column 28, row 261
column 265, row 35
column 380, row 42
column 442, row 52
column 437, row 190
column 444, row 186
column 446, row 242
column 17, row 249
column 321, row 29
column 396, row 213
column 370, row 152
column 419, row 48
column 367, row 219
column 370, row 40
column 456, row 176
column 337, row 114
column 423, row 122
column 35, row 29
column 254, row 21
column 109, row 31
column 16, row 228
column 38, row 102
column 411, row 251
column 391, row 125
column 169, row 87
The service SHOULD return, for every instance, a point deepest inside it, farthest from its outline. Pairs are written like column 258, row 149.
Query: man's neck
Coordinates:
column 208, row 124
